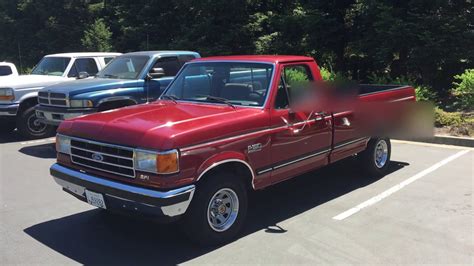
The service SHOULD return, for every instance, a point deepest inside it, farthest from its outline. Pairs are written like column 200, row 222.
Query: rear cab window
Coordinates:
column 5, row 70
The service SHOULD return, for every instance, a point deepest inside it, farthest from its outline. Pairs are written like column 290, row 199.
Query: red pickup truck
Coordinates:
column 224, row 126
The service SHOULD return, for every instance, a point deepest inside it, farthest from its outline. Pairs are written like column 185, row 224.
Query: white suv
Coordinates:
column 18, row 95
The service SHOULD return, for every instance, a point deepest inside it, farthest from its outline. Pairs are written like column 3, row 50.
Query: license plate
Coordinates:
column 95, row 199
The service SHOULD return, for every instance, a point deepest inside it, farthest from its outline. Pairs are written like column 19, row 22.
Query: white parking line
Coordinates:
column 397, row 187
column 431, row 144
column 38, row 141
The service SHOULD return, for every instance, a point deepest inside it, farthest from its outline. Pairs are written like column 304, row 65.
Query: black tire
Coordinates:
column 373, row 165
column 29, row 126
column 195, row 223
column 7, row 125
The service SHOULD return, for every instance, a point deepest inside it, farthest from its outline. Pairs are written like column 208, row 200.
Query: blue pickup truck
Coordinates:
column 129, row 79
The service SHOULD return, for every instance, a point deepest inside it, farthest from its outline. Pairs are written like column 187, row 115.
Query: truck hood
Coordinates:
column 165, row 125
column 30, row 81
column 80, row 86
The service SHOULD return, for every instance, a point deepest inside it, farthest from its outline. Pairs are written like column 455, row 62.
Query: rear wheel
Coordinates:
column 31, row 127
column 217, row 211
column 376, row 158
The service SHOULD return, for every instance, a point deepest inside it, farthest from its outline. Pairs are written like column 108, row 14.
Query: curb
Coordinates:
column 447, row 140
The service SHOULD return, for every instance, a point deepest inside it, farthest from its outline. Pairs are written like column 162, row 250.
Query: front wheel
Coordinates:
column 31, row 127
column 376, row 158
column 217, row 211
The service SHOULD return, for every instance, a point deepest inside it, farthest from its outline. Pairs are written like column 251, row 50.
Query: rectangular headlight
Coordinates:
column 63, row 144
column 157, row 162
column 6, row 94
column 81, row 103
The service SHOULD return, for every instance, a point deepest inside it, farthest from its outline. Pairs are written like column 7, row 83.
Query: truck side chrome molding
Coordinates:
column 297, row 160
column 345, row 143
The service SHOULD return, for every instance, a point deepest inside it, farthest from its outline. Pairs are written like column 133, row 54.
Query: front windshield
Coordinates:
column 124, row 67
column 236, row 83
column 51, row 66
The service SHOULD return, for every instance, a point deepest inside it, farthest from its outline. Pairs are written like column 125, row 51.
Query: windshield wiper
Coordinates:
column 170, row 97
column 218, row 99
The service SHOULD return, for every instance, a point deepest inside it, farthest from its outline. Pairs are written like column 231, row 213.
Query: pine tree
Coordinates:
column 97, row 37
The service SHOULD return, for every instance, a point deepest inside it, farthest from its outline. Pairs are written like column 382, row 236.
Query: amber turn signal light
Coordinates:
column 167, row 163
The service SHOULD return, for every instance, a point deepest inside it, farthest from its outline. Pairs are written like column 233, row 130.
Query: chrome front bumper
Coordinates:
column 55, row 115
column 123, row 197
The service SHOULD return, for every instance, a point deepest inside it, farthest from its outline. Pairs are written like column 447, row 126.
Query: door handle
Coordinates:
column 290, row 126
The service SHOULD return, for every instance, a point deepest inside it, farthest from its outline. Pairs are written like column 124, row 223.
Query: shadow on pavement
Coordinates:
column 43, row 151
column 9, row 137
column 93, row 237
column 14, row 136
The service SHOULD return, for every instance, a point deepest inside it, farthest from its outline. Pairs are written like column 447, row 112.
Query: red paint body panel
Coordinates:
column 209, row 134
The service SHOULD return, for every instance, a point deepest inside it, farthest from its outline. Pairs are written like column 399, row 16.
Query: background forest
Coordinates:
column 426, row 43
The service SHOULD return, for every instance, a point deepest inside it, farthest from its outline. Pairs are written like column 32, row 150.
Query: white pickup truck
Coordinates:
column 8, row 69
column 18, row 95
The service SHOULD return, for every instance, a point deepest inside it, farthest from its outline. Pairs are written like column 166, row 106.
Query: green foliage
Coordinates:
column 423, row 93
column 332, row 76
column 386, row 79
column 443, row 118
column 464, row 89
column 428, row 41
column 294, row 75
column 97, row 37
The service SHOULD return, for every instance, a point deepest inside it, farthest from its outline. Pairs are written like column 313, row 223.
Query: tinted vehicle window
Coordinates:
column 244, row 84
column 185, row 58
column 53, row 66
column 170, row 65
column 5, row 70
column 107, row 59
column 297, row 80
column 124, row 67
column 83, row 65
column 282, row 100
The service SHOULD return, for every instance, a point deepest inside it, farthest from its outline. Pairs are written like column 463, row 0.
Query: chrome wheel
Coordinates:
column 34, row 125
column 381, row 153
column 223, row 209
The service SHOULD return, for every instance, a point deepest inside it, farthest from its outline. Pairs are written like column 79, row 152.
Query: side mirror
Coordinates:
column 83, row 75
column 156, row 73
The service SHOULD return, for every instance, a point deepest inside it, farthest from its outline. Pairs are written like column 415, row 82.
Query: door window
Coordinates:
column 170, row 65
column 297, row 80
column 83, row 65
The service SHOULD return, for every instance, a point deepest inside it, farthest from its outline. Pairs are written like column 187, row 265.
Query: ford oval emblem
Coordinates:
column 97, row 157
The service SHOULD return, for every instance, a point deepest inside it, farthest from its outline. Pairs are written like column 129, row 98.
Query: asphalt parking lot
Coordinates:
column 422, row 212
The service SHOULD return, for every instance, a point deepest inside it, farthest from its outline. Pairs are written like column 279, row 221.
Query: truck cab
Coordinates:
column 18, row 95
column 129, row 79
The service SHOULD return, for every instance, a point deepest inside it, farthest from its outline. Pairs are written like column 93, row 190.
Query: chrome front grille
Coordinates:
column 104, row 157
column 52, row 98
